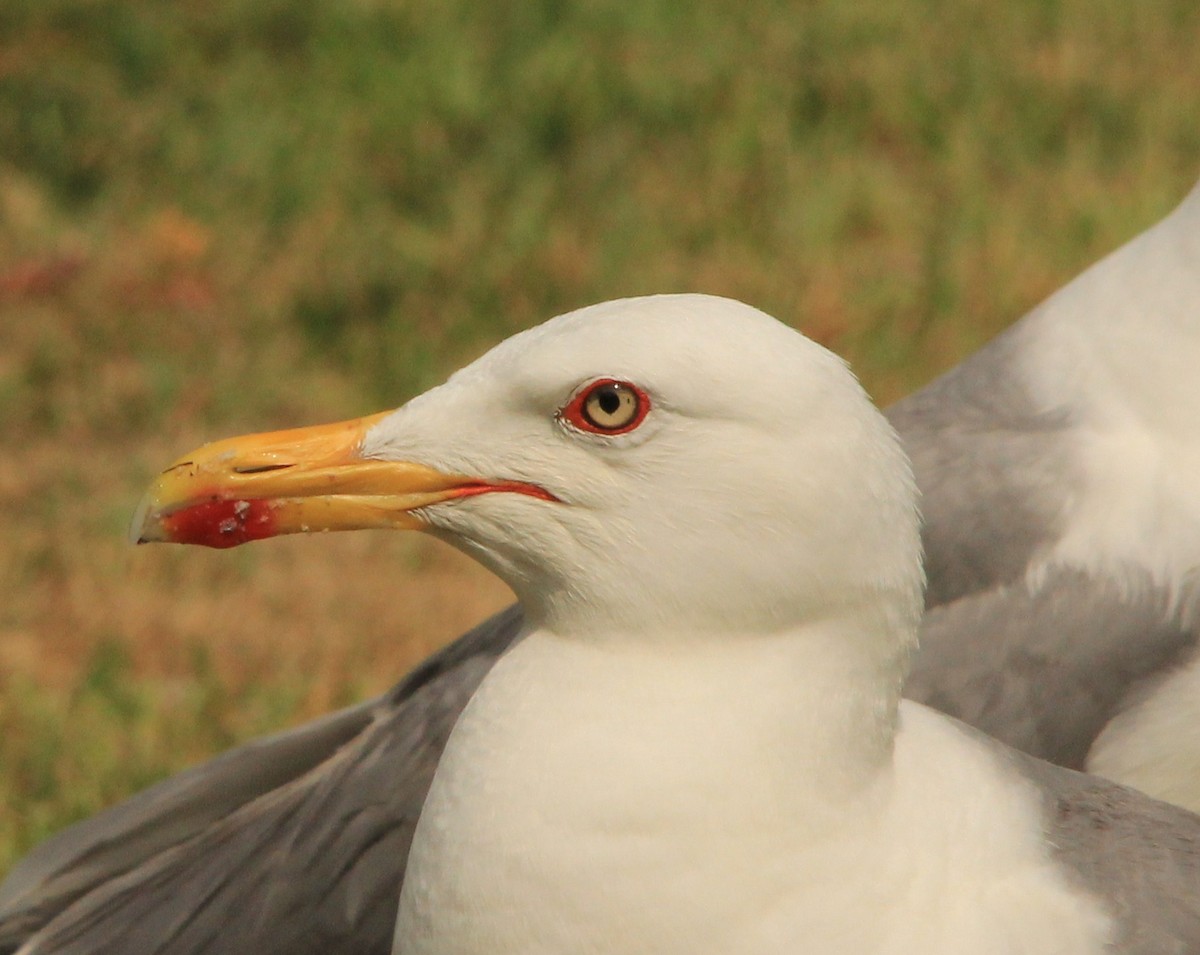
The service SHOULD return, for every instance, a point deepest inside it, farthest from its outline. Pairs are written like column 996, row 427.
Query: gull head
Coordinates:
column 663, row 464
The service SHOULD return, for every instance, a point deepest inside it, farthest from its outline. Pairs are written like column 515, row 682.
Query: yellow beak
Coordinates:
column 287, row 482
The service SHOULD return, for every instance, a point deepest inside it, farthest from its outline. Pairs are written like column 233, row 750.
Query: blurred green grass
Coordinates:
column 253, row 213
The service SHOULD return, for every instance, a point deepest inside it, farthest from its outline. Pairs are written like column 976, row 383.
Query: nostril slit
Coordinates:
column 260, row 468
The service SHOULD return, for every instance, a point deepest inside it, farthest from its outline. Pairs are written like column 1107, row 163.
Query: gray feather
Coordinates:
column 994, row 471
column 85, row 854
column 1044, row 671
column 310, row 863
column 1139, row 856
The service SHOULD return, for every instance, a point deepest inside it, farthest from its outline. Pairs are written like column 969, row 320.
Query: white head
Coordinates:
column 753, row 489
column 761, row 489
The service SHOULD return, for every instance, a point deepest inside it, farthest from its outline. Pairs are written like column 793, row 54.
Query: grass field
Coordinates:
column 247, row 214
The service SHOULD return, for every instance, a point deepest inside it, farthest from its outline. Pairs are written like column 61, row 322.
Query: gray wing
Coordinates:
column 1139, row 856
column 1042, row 668
column 306, row 857
column 1045, row 671
column 75, row 860
column 994, row 471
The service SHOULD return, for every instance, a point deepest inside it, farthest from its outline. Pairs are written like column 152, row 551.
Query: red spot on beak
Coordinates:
column 220, row 523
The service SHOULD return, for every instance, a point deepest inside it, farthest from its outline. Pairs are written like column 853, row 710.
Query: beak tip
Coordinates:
column 143, row 523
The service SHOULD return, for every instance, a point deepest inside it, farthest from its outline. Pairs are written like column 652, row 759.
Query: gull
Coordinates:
column 699, row 742
column 1035, row 642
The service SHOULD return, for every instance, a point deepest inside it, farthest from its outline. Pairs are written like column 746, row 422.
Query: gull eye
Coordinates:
column 607, row 406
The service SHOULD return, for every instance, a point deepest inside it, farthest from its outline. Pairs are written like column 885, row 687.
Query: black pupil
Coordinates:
column 609, row 399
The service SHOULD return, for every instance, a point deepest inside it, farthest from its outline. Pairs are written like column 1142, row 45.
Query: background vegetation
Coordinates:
column 242, row 214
